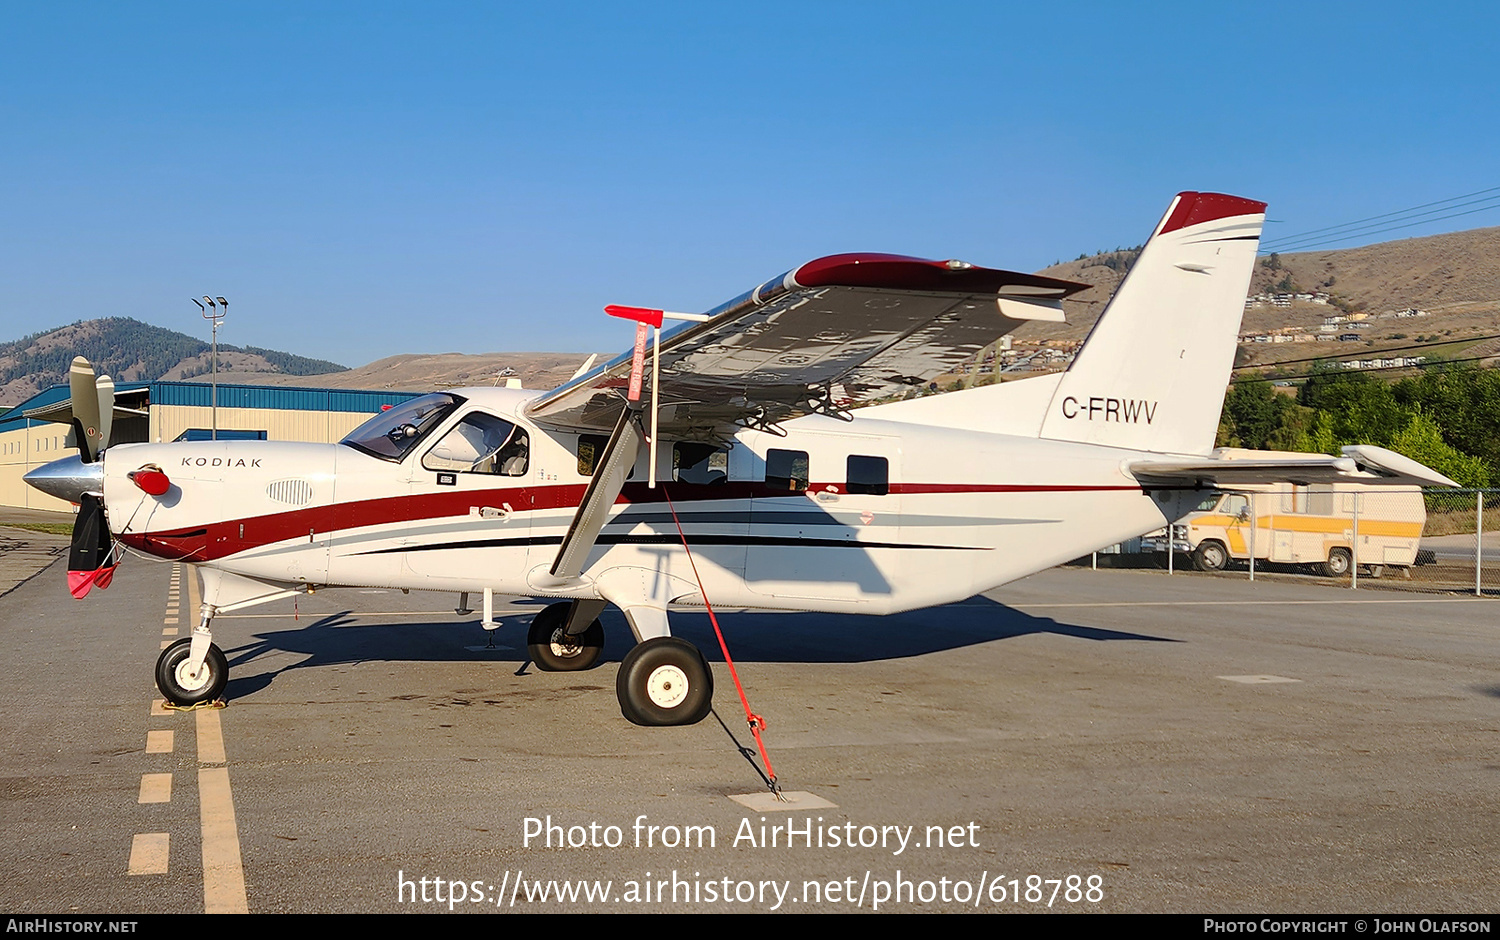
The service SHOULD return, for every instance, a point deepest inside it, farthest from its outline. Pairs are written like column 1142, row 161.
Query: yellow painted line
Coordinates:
column 159, row 708
column 166, row 643
column 148, row 854
column 159, row 742
column 170, row 620
column 223, row 870
column 156, row 788
column 169, row 631
column 210, row 737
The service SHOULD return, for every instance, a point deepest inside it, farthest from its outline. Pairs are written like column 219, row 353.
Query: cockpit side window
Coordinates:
column 481, row 443
column 393, row 433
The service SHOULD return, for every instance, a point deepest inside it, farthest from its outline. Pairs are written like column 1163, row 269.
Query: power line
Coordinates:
column 1347, row 230
column 1389, row 214
column 1349, row 370
column 1319, row 243
column 1374, row 352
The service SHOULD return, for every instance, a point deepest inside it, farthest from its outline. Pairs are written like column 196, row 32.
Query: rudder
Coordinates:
column 1152, row 373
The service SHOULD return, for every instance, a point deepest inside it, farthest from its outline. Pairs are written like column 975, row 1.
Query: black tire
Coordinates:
column 173, row 683
column 1211, row 556
column 1338, row 563
column 552, row 651
column 664, row 681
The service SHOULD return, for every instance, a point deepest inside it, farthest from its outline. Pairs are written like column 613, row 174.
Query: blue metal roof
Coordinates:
column 281, row 398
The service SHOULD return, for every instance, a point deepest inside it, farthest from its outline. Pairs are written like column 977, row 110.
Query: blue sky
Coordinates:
column 361, row 180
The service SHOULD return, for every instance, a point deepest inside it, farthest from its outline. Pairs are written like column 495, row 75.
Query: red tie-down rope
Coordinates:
column 755, row 721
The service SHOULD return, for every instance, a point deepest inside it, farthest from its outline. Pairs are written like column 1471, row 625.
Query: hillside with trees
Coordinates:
column 1447, row 417
column 131, row 351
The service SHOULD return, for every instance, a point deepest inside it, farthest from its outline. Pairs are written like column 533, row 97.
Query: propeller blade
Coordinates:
column 90, row 559
column 84, row 391
column 106, row 387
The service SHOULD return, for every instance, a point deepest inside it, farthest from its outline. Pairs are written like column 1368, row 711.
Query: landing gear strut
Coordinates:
column 193, row 670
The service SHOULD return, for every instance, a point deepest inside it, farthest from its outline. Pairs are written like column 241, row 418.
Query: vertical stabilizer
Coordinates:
column 1152, row 373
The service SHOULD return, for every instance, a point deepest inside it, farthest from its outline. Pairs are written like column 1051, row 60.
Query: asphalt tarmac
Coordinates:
column 1078, row 741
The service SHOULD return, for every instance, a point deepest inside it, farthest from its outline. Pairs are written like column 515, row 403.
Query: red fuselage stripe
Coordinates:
column 219, row 539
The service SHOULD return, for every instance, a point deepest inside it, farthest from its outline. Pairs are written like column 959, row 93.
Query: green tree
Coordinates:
column 1422, row 441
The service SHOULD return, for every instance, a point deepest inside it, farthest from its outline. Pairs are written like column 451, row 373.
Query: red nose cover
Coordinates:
column 151, row 480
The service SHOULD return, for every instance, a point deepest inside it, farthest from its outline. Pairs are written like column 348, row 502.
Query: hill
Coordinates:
column 419, row 372
column 1453, row 279
column 131, row 351
column 1457, row 274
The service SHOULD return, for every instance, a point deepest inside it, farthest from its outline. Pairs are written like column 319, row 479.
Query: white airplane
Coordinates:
column 788, row 499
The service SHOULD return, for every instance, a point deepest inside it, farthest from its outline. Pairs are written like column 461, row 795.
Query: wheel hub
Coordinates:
column 189, row 682
column 564, row 645
column 667, row 686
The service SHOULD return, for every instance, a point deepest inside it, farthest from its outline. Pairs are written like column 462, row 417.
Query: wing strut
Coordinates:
column 609, row 478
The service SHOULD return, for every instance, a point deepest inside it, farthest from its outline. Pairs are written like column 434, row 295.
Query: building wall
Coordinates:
column 285, row 414
column 21, row 450
column 169, row 421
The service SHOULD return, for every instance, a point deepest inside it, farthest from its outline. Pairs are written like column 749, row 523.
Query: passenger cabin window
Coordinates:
column 1235, row 505
column 590, row 452
column 481, row 443
column 704, row 464
column 868, row 475
column 786, row 470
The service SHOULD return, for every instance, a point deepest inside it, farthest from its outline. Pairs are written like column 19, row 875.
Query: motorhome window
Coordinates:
column 1209, row 502
column 786, row 470
column 700, row 463
column 481, row 443
column 1320, row 500
column 1235, row 505
column 868, row 475
column 1295, row 500
column 392, row 434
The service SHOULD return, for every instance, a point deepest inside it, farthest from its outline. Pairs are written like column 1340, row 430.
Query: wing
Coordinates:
column 1361, row 463
column 833, row 332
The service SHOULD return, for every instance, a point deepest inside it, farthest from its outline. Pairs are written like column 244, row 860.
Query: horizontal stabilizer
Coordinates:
column 1360, row 464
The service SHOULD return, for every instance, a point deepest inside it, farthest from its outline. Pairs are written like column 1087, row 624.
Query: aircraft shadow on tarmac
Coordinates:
column 752, row 637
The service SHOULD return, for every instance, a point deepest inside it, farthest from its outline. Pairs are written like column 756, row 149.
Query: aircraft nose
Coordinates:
column 68, row 478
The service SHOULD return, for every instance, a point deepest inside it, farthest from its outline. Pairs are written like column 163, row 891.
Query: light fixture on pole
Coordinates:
column 215, row 316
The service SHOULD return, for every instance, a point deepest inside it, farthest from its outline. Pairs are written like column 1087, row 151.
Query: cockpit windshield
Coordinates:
column 392, row 434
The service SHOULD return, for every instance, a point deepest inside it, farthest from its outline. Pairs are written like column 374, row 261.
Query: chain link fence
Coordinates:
column 1388, row 538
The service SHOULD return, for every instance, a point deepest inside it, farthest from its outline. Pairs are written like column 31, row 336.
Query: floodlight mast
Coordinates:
column 215, row 316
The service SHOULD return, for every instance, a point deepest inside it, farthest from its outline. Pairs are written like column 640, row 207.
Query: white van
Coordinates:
column 1302, row 525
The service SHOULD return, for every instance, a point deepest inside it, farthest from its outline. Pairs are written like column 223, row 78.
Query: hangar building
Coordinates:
column 35, row 432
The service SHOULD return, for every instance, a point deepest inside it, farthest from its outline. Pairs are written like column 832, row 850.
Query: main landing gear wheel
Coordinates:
column 554, row 651
column 181, row 688
column 664, row 681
